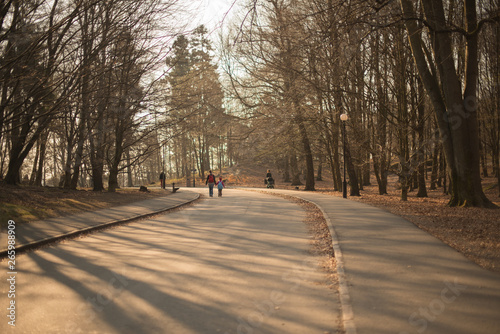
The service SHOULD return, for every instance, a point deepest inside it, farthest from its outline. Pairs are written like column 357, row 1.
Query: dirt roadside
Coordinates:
column 24, row 203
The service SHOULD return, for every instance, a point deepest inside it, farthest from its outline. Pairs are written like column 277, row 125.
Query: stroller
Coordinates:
column 269, row 181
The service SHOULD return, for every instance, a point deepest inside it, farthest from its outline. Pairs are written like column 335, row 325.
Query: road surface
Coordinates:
column 236, row 264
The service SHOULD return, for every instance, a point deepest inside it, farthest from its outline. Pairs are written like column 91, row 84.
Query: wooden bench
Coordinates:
column 174, row 189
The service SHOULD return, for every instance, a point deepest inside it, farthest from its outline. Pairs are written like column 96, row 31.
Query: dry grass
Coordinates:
column 24, row 204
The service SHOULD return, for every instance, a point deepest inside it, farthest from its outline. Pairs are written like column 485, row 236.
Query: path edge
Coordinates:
column 39, row 243
column 344, row 296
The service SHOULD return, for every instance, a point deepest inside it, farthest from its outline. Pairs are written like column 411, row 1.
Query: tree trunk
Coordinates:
column 130, row 182
column 435, row 164
column 378, row 168
column 286, row 170
column 113, row 180
column 307, row 155
column 366, row 170
column 97, row 162
column 13, row 175
column 85, row 94
column 78, row 157
column 35, row 164
column 456, row 113
column 351, row 170
column 421, row 156
column 422, row 189
column 96, row 157
column 380, row 164
column 41, row 159
column 319, row 175
column 67, row 164
column 295, row 170
column 18, row 153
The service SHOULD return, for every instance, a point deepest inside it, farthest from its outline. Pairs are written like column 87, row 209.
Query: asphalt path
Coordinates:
column 401, row 279
column 236, row 264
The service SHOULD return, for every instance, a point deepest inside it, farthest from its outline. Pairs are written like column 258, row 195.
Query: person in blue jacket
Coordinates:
column 220, row 186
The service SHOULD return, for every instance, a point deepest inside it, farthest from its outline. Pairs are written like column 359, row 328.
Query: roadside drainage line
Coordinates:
column 345, row 298
column 69, row 235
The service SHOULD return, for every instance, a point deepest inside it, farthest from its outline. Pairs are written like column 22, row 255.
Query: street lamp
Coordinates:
column 344, row 119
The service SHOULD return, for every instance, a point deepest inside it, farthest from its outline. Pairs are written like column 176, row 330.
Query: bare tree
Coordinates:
column 455, row 108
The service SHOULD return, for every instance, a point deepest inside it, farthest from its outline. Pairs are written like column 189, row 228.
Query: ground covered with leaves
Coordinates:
column 24, row 203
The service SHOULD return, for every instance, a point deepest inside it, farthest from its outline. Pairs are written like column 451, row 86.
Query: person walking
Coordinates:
column 269, row 174
column 220, row 186
column 162, row 180
column 211, row 182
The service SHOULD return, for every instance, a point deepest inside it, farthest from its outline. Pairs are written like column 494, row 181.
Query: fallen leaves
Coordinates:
column 25, row 203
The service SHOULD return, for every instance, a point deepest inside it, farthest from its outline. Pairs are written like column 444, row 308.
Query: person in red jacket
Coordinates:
column 211, row 182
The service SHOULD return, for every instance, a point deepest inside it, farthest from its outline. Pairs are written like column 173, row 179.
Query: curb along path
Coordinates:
column 344, row 296
column 30, row 235
column 399, row 279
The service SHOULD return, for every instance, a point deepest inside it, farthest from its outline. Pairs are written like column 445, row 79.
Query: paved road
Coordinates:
column 404, row 281
column 236, row 264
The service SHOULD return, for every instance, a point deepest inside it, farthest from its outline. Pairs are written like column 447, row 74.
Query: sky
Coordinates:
column 215, row 10
column 212, row 12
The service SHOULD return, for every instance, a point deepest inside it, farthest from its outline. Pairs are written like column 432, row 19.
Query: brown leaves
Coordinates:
column 26, row 203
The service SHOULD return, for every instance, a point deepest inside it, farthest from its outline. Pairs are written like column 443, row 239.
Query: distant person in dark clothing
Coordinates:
column 162, row 180
column 269, row 181
column 211, row 182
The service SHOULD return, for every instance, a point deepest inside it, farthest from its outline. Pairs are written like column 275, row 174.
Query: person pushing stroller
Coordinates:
column 269, row 181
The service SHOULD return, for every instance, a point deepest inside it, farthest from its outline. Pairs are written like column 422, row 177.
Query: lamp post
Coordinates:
column 344, row 119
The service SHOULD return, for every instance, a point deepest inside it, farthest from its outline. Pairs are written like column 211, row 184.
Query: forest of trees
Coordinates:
column 83, row 96
column 199, row 127
column 109, row 93
column 419, row 81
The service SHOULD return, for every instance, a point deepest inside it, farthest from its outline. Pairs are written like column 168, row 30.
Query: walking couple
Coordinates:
column 212, row 182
